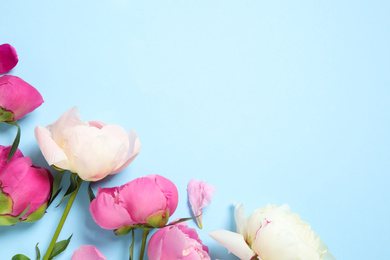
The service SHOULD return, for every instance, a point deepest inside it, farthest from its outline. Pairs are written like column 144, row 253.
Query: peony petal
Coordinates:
column 53, row 154
column 169, row 190
column 234, row 242
column 199, row 195
column 133, row 151
column 239, row 216
column 107, row 212
column 8, row 58
column 87, row 253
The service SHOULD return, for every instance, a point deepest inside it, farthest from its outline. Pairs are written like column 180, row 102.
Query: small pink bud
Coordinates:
column 8, row 58
column 17, row 97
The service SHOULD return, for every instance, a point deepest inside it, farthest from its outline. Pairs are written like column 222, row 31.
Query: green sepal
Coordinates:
column 56, row 186
column 38, row 252
column 59, row 247
column 36, row 215
column 159, row 219
column 72, row 187
column 91, row 195
column 6, row 116
column 20, row 257
column 122, row 231
column 5, row 203
column 9, row 220
column 15, row 143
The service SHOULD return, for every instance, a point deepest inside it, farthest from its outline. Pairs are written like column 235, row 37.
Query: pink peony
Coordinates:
column 8, row 58
column 199, row 195
column 91, row 149
column 149, row 200
column 87, row 253
column 17, row 97
column 22, row 185
column 177, row 242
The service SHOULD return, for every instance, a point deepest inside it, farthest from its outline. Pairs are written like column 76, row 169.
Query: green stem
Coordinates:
column 62, row 220
column 145, row 233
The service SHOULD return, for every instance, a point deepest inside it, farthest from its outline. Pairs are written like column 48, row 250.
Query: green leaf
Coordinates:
column 56, row 186
column 182, row 220
column 38, row 252
column 91, row 195
column 15, row 144
column 20, row 257
column 59, row 247
column 72, row 187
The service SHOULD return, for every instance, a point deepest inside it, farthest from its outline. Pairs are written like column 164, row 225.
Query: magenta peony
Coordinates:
column 17, row 98
column 22, row 186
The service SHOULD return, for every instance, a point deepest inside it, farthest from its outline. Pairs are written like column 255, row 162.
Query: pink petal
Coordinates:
column 18, row 96
column 107, row 211
column 8, row 58
column 234, row 242
column 169, row 190
column 87, row 253
column 200, row 195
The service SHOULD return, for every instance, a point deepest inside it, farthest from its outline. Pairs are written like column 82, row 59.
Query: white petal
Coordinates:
column 234, row 242
column 239, row 216
column 50, row 150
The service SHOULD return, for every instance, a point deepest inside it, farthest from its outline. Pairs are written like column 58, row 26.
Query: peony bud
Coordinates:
column 92, row 149
column 146, row 201
column 24, row 189
column 272, row 233
column 177, row 242
column 17, row 98
column 87, row 253
column 8, row 58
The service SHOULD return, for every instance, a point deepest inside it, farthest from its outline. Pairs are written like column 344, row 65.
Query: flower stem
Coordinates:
column 62, row 220
column 145, row 233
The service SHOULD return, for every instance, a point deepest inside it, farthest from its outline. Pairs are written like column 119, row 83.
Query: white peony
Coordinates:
column 272, row 233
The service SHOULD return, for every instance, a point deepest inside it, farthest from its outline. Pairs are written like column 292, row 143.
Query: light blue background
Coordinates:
column 269, row 101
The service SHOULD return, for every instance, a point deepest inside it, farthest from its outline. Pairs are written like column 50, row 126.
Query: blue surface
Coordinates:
column 271, row 102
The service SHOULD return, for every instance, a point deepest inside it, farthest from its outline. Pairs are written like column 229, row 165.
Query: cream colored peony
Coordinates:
column 272, row 233
column 91, row 149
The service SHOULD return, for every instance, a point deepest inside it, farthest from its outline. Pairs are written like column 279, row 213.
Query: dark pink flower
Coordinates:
column 22, row 185
column 18, row 97
column 8, row 58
